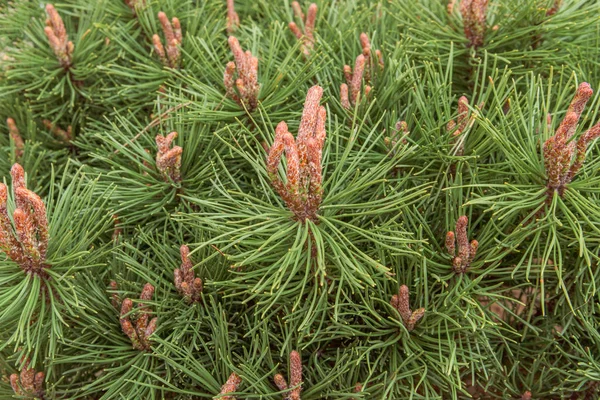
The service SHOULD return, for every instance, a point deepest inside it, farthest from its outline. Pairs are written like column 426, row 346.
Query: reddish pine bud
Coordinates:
column 186, row 283
column 140, row 333
column 280, row 382
column 61, row 134
column 134, row 5
column 399, row 134
column 168, row 160
column 462, row 259
column 365, row 43
column 170, row 53
column 28, row 244
column 564, row 157
column 303, row 190
column 233, row 20
column 15, row 135
column 28, row 383
column 114, row 297
column 57, row 37
column 245, row 91
column 350, row 93
column 554, row 9
column 450, row 6
column 38, row 383
column 291, row 392
column 295, row 375
column 450, row 243
column 344, row 99
column 34, row 205
column 25, row 229
column 16, row 386
column 8, row 241
column 401, row 302
column 474, row 20
column 307, row 37
column 147, row 292
column 404, row 302
column 231, row 386
column 463, row 121
column 18, row 177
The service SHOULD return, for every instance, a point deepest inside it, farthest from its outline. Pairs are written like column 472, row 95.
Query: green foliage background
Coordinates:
column 382, row 222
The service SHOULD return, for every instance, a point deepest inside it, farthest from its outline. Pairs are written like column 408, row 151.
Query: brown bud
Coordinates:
column 231, row 386
column 295, row 375
column 280, row 382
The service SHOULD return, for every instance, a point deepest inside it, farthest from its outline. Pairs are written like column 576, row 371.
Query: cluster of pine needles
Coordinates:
column 292, row 200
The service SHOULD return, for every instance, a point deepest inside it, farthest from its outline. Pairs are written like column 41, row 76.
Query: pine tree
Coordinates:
column 294, row 200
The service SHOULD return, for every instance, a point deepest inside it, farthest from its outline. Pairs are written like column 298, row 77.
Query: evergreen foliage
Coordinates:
column 291, row 200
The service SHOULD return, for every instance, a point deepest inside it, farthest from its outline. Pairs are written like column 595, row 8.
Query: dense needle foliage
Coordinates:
column 260, row 199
